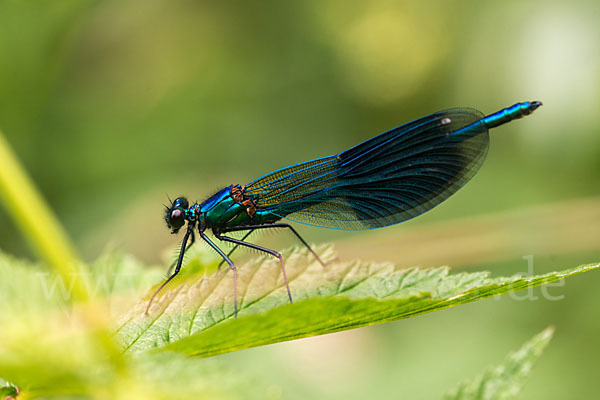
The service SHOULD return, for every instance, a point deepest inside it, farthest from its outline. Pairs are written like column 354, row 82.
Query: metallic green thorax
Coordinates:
column 230, row 208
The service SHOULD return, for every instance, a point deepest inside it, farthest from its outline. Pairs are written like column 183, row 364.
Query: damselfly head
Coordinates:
column 175, row 215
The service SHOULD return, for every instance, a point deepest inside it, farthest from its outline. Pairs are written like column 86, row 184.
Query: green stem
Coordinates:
column 35, row 219
column 37, row 222
column 47, row 237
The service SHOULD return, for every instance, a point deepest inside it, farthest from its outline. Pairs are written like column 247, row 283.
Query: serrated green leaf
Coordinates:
column 46, row 351
column 195, row 317
column 506, row 380
column 28, row 289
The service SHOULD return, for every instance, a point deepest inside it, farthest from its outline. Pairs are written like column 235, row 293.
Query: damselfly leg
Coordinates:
column 271, row 226
column 231, row 265
column 177, row 265
column 234, row 248
column 260, row 248
column 184, row 251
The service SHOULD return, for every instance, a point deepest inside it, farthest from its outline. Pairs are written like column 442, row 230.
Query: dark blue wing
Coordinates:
column 388, row 179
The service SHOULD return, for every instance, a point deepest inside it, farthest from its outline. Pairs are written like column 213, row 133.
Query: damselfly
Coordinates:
column 387, row 179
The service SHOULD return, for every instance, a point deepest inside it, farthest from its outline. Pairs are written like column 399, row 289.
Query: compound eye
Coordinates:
column 176, row 219
column 181, row 202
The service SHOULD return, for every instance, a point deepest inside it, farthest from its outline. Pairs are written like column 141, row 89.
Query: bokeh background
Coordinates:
column 112, row 105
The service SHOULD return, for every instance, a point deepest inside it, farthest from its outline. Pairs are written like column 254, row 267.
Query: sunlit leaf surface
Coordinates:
column 195, row 316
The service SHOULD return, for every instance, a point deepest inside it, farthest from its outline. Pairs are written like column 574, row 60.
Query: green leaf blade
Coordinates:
column 196, row 317
column 506, row 380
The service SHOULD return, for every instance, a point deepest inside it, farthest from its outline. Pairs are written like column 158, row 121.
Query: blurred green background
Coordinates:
column 112, row 105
